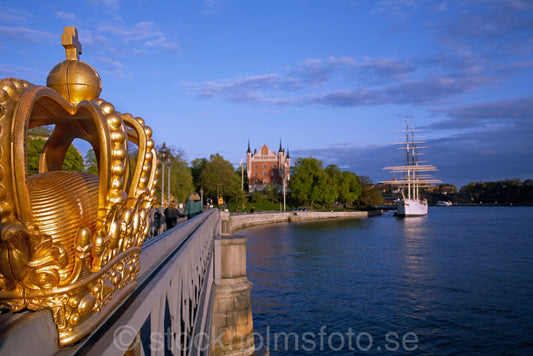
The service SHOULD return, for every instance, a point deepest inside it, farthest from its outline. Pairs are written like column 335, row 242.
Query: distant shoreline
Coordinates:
column 239, row 221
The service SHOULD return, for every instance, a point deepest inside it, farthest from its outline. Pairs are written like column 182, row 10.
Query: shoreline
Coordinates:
column 232, row 222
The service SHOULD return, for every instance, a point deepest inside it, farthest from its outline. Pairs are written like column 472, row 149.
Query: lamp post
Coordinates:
column 284, row 183
column 242, row 175
column 163, row 157
column 169, row 164
column 283, row 173
column 202, row 196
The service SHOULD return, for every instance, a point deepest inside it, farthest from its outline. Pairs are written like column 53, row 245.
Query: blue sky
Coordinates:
column 332, row 79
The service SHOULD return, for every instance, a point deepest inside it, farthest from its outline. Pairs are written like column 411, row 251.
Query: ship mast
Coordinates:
column 408, row 153
column 412, row 179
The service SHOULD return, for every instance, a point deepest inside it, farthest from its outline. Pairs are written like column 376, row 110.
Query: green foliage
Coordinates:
column 350, row 188
column 306, row 171
column 197, row 167
column 73, row 161
column 335, row 177
column 370, row 197
column 33, row 151
column 370, row 194
column 311, row 184
column 504, row 192
column 259, row 205
column 270, row 193
column 346, row 185
column 218, row 178
column 257, row 198
column 40, row 132
column 240, row 200
column 447, row 189
column 90, row 163
column 181, row 182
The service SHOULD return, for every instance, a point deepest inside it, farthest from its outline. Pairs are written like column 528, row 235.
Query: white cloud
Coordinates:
column 69, row 16
column 24, row 34
column 14, row 15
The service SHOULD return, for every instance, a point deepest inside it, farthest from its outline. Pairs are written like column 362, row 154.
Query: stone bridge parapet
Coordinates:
column 234, row 222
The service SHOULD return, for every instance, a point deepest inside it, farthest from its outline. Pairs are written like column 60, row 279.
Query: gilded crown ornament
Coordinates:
column 70, row 241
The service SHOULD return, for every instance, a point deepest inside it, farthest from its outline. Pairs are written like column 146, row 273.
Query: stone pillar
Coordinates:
column 225, row 223
column 232, row 327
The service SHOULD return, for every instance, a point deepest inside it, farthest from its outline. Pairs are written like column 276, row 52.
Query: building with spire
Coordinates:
column 267, row 167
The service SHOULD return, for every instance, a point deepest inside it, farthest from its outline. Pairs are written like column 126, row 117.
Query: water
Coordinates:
column 458, row 281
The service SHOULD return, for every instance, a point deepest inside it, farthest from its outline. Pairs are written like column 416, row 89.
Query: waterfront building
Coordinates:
column 267, row 167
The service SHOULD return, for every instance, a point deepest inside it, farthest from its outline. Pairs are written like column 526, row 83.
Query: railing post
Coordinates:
column 232, row 328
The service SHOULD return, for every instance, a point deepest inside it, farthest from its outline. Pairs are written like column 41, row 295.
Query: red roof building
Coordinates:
column 266, row 167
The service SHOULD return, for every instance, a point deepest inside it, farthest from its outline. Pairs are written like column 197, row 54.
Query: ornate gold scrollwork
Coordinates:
column 70, row 241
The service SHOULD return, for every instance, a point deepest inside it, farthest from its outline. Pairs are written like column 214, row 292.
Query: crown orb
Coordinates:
column 75, row 81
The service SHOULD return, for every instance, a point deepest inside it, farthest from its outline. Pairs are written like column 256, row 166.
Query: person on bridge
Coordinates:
column 193, row 206
column 171, row 215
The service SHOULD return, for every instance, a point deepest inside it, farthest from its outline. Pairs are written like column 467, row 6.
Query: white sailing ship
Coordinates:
column 410, row 202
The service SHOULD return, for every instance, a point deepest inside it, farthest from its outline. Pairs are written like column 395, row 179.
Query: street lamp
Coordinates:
column 164, row 153
column 202, row 196
column 282, row 173
column 284, row 187
column 169, row 164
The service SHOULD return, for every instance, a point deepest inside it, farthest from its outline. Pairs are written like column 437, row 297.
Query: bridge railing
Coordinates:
column 170, row 310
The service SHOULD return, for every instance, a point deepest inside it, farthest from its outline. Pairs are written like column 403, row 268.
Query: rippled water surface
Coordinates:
column 458, row 281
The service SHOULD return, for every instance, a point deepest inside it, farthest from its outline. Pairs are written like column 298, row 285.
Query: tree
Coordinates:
column 90, row 163
column 218, row 178
column 72, row 162
column 198, row 166
column 181, row 182
column 270, row 193
column 33, row 151
column 350, row 189
column 335, row 178
column 309, row 183
column 370, row 194
column 40, row 131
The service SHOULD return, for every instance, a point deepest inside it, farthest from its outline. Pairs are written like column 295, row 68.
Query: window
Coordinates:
column 273, row 166
column 264, row 181
column 255, row 181
column 264, row 174
column 256, row 174
column 264, row 165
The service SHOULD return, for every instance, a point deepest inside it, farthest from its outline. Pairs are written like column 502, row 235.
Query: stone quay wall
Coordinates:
column 234, row 222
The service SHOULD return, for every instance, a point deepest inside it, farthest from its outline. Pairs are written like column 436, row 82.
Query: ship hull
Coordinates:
column 411, row 207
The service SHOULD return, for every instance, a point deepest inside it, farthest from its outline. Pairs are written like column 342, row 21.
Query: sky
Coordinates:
column 330, row 79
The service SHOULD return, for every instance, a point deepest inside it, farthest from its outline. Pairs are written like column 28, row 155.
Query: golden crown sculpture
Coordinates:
column 70, row 241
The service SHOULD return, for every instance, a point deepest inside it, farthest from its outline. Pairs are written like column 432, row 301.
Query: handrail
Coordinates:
column 170, row 308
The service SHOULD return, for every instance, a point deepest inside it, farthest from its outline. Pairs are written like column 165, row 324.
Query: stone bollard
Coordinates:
column 232, row 325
